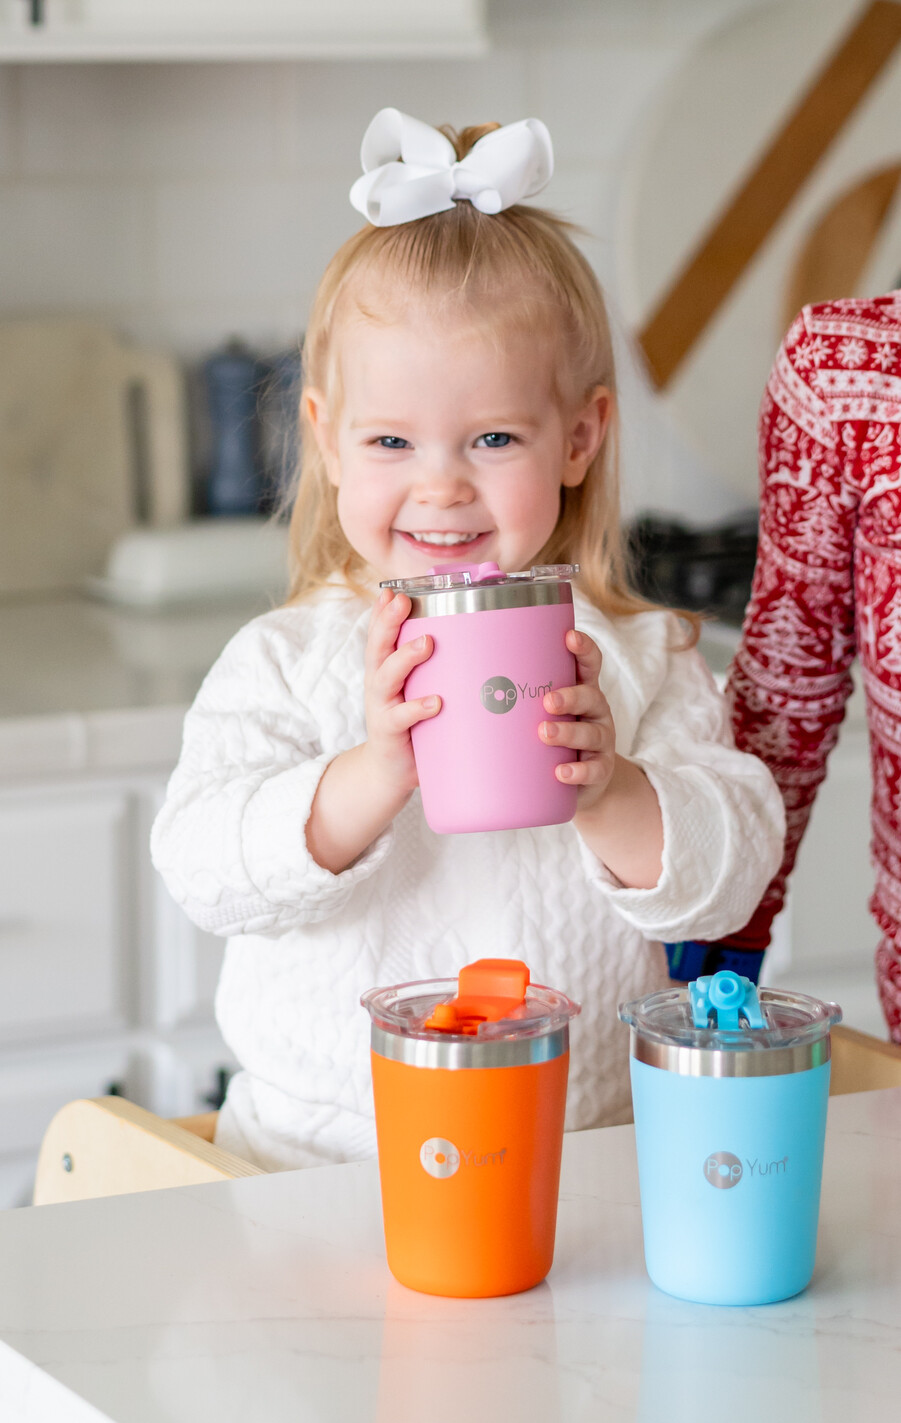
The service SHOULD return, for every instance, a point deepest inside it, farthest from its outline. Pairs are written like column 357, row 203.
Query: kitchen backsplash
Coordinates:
column 185, row 203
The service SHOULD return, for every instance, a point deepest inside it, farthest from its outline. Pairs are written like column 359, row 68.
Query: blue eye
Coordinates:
column 493, row 441
column 392, row 442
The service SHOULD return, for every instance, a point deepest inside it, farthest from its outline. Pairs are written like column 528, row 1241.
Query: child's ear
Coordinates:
column 315, row 408
column 586, row 435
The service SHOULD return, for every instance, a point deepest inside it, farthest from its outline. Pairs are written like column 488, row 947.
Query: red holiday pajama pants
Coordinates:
column 827, row 586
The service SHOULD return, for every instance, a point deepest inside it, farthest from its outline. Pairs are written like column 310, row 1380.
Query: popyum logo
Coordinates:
column 723, row 1170
column 440, row 1158
column 498, row 694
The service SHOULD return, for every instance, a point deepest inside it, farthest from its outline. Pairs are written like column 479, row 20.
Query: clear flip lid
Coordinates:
column 725, row 1011
column 493, row 1000
column 470, row 575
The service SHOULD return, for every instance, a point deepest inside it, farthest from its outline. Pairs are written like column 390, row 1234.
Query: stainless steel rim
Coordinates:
column 489, row 598
column 711, row 1062
column 468, row 1052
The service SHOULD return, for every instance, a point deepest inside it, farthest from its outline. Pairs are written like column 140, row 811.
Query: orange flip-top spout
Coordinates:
column 487, row 990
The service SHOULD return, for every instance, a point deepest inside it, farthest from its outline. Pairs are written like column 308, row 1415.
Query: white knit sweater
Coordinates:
column 285, row 697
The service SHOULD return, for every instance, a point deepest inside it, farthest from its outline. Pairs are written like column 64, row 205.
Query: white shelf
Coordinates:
column 128, row 30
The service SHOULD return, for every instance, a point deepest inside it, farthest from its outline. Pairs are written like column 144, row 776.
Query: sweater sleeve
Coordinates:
column 229, row 841
column 723, row 820
column 790, row 679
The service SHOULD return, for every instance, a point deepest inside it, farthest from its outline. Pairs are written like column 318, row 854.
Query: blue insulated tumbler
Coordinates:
column 729, row 1091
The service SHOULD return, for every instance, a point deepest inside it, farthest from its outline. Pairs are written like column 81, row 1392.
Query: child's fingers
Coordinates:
column 407, row 714
column 397, row 666
column 388, row 614
column 585, row 773
column 577, row 735
column 585, row 700
column 587, row 654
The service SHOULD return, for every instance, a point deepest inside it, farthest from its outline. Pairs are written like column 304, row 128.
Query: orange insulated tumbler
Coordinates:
column 469, row 1079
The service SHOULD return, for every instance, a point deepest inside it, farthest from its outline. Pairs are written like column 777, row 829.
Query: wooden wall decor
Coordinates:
column 835, row 254
column 744, row 224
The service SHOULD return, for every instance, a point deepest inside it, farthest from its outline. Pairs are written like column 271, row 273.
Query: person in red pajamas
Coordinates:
column 827, row 584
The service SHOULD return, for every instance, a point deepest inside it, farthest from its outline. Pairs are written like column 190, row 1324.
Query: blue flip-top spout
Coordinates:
column 728, row 997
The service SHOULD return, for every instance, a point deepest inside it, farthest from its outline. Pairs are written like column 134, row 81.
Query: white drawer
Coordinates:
column 64, row 935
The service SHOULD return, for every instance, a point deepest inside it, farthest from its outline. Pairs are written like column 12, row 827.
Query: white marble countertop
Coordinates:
column 268, row 1299
column 85, row 687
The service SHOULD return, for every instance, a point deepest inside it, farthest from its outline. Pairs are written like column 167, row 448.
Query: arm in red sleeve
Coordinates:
column 790, row 679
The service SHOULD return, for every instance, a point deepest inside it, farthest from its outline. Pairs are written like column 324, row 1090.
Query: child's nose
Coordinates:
column 445, row 485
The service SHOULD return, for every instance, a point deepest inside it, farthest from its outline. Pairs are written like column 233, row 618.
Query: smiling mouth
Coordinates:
column 433, row 538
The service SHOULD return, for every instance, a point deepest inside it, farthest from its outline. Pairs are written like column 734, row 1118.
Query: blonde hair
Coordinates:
column 523, row 260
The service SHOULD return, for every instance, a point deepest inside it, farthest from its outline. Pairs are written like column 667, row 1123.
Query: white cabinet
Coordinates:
column 104, row 984
column 66, row 946
column 103, row 981
column 185, row 963
column 186, row 966
column 238, row 29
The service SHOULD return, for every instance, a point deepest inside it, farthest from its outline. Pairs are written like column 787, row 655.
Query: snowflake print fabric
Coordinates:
column 852, row 352
column 827, row 585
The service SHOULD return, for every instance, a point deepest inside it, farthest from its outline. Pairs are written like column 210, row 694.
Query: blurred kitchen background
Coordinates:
column 173, row 179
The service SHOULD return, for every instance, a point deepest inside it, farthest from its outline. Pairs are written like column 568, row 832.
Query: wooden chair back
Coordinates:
column 108, row 1146
column 861, row 1063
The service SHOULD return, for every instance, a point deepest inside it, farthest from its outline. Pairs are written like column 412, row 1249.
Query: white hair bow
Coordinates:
column 410, row 170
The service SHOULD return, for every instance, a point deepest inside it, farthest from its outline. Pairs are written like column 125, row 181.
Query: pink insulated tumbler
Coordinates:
column 499, row 646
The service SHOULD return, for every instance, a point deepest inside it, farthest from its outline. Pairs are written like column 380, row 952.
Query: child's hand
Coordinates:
column 594, row 736
column 388, row 716
column 362, row 790
column 617, row 811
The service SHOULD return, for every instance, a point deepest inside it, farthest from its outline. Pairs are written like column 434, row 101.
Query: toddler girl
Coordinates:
column 458, row 406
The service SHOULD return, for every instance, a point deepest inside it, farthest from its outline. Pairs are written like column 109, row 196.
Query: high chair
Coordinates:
column 107, row 1146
